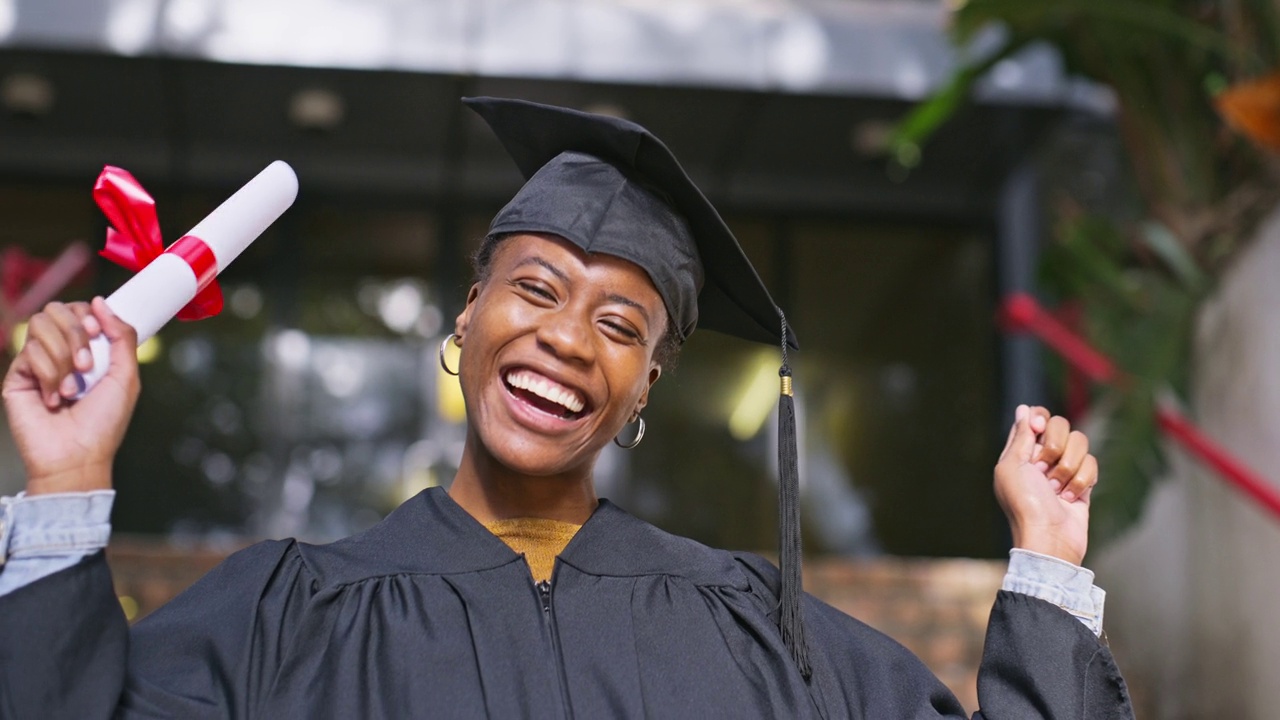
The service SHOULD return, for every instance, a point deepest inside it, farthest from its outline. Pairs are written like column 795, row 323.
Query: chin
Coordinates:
column 538, row 457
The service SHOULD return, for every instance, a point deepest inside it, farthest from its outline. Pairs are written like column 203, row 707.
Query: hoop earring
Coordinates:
column 639, row 436
column 443, row 345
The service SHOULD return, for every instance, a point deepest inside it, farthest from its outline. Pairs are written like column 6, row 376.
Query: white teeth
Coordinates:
column 545, row 389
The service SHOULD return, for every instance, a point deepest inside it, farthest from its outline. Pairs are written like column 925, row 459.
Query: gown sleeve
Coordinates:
column 67, row 652
column 63, row 641
column 1038, row 661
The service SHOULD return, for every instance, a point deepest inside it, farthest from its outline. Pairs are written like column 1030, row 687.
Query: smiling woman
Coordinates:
column 557, row 355
column 519, row 593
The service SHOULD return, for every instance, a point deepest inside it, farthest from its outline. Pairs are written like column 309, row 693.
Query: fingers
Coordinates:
column 1080, row 485
column 84, row 311
column 1069, row 459
column 1040, row 465
column 1054, row 439
column 1062, row 454
column 1023, row 444
column 57, row 343
column 1064, row 458
column 1048, row 443
column 36, row 363
column 1039, row 417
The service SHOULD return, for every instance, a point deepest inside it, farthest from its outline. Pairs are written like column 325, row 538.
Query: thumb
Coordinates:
column 123, row 338
column 1022, row 439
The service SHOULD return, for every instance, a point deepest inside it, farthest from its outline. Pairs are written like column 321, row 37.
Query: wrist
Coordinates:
column 83, row 479
column 1049, row 545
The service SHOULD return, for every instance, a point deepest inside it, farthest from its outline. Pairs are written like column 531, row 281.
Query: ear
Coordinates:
column 655, row 372
column 464, row 318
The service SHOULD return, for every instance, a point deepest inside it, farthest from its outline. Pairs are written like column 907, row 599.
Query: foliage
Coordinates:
column 1141, row 316
column 1202, row 189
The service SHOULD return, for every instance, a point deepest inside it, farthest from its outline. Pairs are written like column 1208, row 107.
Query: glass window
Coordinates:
column 315, row 405
column 301, row 410
column 899, row 383
column 896, row 384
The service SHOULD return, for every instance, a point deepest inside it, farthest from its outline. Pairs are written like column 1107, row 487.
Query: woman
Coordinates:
column 518, row 593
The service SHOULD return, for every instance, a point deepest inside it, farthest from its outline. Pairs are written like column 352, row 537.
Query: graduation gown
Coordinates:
column 427, row 614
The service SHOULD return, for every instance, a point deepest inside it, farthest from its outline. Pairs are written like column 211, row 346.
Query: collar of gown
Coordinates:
column 431, row 534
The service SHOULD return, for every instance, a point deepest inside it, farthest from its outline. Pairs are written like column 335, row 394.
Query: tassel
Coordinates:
column 791, row 615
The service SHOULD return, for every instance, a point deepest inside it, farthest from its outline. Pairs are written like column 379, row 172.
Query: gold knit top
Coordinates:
column 538, row 539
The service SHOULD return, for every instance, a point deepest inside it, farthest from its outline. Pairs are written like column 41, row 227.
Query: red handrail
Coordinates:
column 1021, row 312
column 57, row 275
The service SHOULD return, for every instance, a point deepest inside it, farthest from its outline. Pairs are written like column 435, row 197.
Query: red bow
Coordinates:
column 135, row 240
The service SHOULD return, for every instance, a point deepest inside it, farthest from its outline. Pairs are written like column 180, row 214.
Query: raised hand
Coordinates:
column 1043, row 482
column 66, row 445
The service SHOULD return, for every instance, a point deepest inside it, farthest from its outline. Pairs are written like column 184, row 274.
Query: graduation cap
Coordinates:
column 610, row 186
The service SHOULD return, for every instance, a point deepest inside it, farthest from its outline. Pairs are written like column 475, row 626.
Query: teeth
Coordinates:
column 545, row 389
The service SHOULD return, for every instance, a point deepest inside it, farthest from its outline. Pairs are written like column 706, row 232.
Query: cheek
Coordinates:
column 495, row 323
column 485, row 334
column 493, row 320
column 630, row 376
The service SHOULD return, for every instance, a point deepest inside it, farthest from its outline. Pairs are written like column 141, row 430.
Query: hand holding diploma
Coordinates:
column 67, row 431
column 69, row 446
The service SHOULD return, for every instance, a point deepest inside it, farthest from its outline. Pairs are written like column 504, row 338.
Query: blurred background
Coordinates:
column 932, row 190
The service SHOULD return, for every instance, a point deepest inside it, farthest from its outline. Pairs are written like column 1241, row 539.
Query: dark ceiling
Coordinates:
column 405, row 135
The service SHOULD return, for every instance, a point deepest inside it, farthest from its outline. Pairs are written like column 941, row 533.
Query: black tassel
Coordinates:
column 791, row 614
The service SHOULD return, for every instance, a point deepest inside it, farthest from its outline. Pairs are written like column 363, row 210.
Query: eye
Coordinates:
column 623, row 330
column 535, row 290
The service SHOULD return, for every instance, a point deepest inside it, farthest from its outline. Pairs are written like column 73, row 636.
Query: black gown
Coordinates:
column 429, row 615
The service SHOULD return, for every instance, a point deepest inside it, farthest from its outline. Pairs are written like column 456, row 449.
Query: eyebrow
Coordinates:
column 624, row 300
column 611, row 297
column 535, row 260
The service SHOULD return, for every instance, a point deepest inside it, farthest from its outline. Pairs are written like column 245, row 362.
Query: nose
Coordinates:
column 567, row 335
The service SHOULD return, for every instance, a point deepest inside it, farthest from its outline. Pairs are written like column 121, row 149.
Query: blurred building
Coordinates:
column 314, row 404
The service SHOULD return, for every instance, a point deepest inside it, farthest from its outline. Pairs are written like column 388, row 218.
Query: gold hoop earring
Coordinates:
column 443, row 345
column 639, row 436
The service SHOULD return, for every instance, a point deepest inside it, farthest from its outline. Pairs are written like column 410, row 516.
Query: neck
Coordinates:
column 489, row 491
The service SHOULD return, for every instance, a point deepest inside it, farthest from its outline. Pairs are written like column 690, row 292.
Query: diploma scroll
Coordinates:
column 170, row 281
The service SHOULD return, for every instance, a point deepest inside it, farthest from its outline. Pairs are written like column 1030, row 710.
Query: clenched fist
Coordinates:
column 1043, row 481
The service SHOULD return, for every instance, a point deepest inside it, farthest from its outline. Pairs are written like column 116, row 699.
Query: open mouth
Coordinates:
column 544, row 394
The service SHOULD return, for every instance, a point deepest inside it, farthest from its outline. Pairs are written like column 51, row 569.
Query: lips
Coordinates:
column 544, row 394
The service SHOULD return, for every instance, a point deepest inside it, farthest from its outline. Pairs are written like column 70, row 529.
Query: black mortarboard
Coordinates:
column 637, row 204
column 610, row 186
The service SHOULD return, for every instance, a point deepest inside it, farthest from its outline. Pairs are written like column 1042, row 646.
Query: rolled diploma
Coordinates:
column 153, row 296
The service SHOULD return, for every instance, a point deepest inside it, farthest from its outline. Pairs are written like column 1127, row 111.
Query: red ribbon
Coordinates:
column 134, row 239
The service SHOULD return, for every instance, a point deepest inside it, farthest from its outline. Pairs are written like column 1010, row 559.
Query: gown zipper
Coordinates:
column 544, row 593
column 544, row 596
